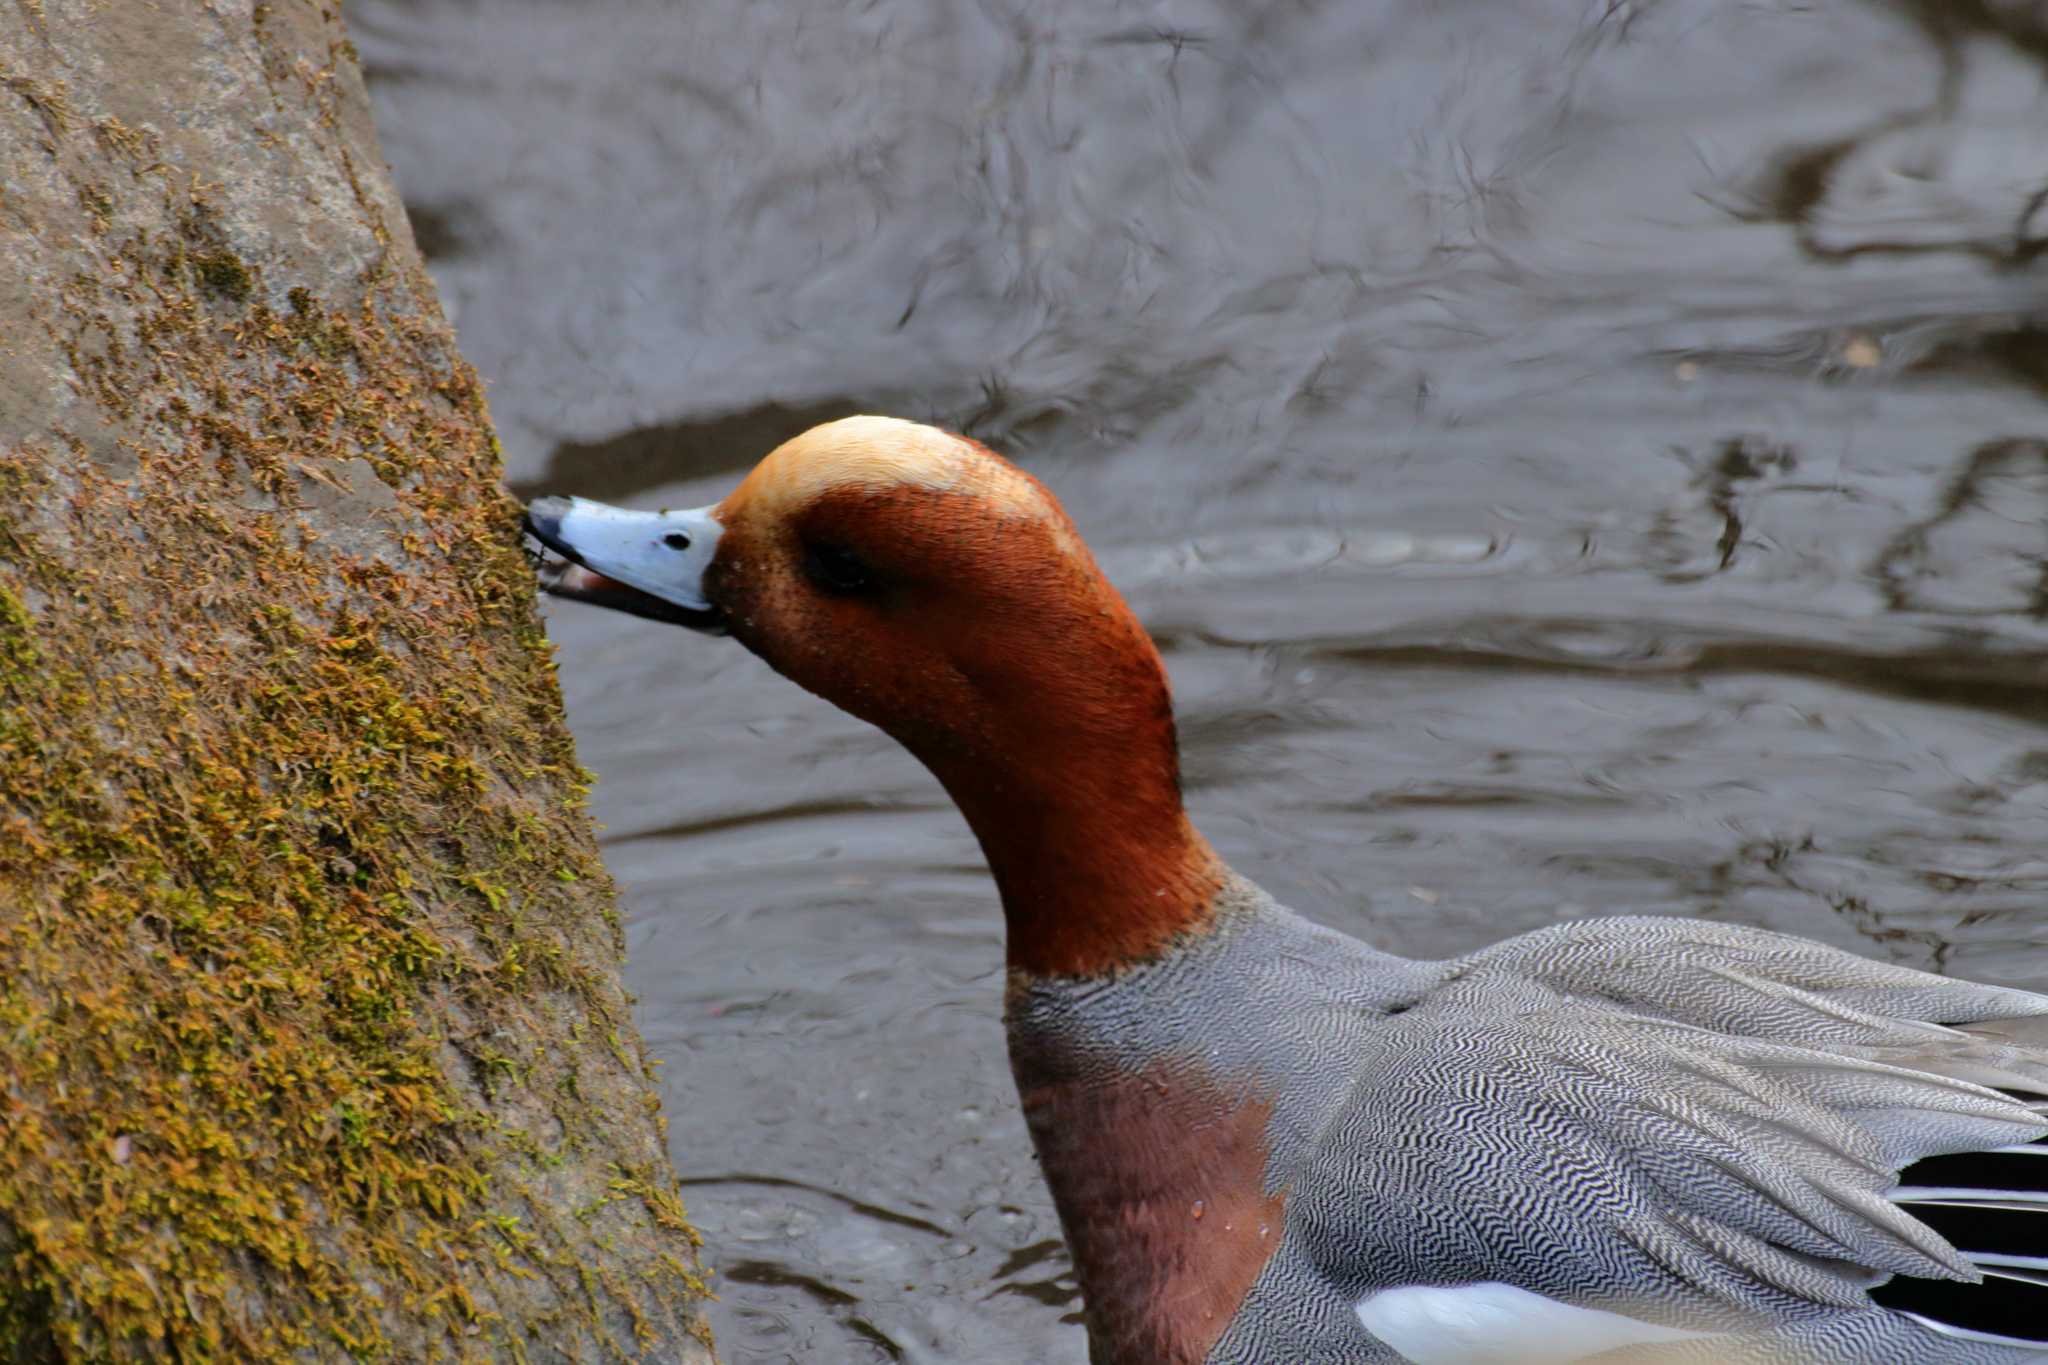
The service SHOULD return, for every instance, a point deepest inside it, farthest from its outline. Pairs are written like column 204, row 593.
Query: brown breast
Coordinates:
column 1159, row 1179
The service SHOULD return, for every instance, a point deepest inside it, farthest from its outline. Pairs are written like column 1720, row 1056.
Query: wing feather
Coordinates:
column 1697, row 1124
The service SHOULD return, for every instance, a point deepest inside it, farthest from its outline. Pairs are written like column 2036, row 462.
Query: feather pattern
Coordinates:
column 1759, row 1147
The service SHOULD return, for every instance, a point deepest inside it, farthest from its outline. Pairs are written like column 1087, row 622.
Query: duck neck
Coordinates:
column 1091, row 849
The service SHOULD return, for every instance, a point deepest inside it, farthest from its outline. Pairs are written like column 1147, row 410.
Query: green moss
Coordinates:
column 51, row 98
column 223, row 273
column 278, row 843
column 17, row 638
column 98, row 206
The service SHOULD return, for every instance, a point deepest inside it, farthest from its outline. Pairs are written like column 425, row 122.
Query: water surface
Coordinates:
column 1578, row 456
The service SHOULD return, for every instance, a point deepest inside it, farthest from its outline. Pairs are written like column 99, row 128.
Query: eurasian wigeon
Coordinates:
column 1632, row 1139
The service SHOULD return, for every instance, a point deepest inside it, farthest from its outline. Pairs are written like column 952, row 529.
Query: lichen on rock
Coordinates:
column 314, row 1040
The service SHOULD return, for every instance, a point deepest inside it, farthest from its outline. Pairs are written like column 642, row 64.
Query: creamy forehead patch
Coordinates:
column 880, row 453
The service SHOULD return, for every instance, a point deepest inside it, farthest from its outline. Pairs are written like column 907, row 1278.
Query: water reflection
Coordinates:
column 1578, row 455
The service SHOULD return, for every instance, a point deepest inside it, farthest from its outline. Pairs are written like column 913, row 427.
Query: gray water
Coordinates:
column 1577, row 455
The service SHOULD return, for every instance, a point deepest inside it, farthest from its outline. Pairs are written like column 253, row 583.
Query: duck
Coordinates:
column 1615, row 1139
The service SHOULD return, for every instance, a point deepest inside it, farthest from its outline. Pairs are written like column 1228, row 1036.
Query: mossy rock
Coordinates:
column 315, row 1046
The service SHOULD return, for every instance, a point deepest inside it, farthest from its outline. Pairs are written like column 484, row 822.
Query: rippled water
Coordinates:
column 1578, row 456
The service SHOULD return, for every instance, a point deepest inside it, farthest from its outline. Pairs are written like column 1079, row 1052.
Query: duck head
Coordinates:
column 928, row 586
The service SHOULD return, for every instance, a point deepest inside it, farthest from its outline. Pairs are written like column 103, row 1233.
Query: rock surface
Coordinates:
column 314, row 1042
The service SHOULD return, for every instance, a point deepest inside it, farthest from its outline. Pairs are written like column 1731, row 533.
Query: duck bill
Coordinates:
column 649, row 564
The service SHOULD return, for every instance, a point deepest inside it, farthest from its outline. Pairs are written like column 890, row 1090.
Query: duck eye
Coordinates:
column 837, row 570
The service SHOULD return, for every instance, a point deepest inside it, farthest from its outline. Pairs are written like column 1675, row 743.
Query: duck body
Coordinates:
column 1627, row 1139
column 1620, row 1139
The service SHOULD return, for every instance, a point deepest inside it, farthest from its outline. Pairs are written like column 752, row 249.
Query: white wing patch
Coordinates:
column 1498, row 1324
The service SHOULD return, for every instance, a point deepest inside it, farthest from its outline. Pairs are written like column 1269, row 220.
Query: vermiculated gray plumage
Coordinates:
column 1692, row 1124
